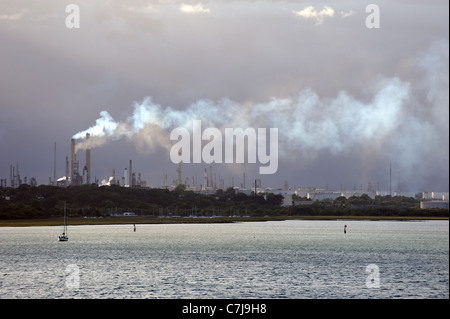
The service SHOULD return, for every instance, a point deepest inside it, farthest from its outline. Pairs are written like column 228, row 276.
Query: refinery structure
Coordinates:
column 74, row 178
column 209, row 184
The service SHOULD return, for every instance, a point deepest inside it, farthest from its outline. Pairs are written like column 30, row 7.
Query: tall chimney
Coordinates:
column 130, row 176
column 88, row 158
column 179, row 171
column 210, row 177
column 205, row 178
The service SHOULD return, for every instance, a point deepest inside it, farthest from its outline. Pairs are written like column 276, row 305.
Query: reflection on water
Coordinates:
column 289, row 259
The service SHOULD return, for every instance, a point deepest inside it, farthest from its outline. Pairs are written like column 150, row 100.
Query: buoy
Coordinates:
column 345, row 229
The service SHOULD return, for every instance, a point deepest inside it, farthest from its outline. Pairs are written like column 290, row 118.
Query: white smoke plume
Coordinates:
column 402, row 121
column 305, row 122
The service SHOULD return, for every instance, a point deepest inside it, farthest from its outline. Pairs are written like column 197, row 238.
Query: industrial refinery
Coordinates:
column 74, row 177
column 78, row 173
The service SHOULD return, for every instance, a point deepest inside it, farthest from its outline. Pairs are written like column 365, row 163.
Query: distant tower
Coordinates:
column 179, row 172
column 130, row 174
column 210, row 177
column 19, row 181
column 133, row 180
column 11, row 175
column 85, row 175
column 125, row 177
column 205, row 178
column 243, row 180
column 15, row 176
column 88, row 159
column 75, row 178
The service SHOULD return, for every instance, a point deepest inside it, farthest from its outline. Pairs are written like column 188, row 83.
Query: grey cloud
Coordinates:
column 330, row 80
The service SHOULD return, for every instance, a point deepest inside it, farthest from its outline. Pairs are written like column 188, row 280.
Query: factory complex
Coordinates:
column 75, row 176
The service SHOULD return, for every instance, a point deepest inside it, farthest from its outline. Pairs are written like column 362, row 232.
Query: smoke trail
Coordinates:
column 104, row 126
column 305, row 122
column 104, row 129
column 421, row 143
column 403, row 121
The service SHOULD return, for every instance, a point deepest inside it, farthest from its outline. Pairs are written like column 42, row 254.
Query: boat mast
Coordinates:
column 65, row 225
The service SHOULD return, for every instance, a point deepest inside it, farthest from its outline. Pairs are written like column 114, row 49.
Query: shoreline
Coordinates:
column 197, row 220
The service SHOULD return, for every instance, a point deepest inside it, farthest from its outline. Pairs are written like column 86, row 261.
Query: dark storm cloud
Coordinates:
column 348, row 97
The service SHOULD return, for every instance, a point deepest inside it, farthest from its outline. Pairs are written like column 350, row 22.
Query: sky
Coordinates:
column 351, row 90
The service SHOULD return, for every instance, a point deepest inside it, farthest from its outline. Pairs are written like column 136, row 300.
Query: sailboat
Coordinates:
column 64, row 237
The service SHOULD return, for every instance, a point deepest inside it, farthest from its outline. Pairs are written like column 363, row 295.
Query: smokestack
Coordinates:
column 88, row 159
column 73, row 159
column 130, row 174
column 210, row 177
column 179, row 171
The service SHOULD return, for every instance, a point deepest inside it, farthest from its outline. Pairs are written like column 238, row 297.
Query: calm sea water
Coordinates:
column 287, row 259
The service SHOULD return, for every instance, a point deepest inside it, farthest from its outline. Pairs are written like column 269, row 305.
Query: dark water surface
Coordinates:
column 283, row 259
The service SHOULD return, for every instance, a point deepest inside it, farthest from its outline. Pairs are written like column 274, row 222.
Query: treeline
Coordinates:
column 92, row 201
column 27, row 202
